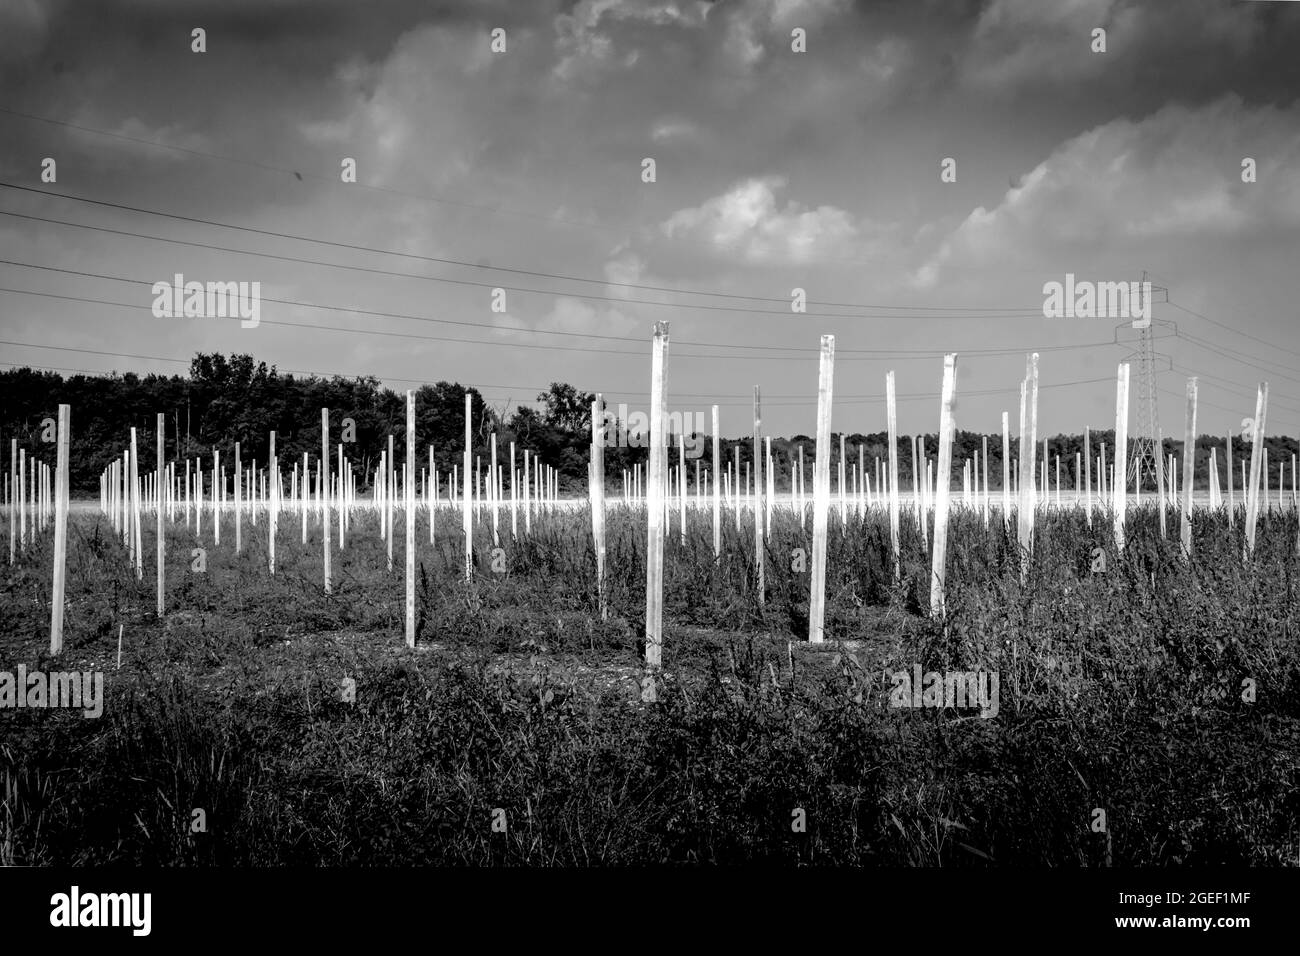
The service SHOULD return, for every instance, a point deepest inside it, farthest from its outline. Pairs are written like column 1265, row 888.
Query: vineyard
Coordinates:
column 483, row 672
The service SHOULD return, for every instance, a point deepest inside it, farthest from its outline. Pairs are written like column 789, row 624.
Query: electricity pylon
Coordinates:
column 1145, row 443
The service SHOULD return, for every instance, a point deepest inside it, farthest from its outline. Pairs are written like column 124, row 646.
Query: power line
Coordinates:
column 880, row 354
column 981, row 312
column 1227, row 353
column 465, row 282
column 1234, row 331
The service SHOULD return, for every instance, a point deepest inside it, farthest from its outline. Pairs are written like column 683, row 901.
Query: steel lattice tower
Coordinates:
column 1145, row 443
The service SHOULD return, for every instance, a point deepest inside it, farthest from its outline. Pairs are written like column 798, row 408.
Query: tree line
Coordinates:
column 228, row 399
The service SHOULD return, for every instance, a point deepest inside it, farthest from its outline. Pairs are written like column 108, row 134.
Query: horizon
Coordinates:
column 921, row 172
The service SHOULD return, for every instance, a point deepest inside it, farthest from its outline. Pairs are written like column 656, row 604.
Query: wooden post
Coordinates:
column 891, row 421
column 1189, row 467
column 1119, row 487
column 408, row 485
column 598, row 497
column 654, row 594
column 821, row 491
column 324, row 491
column 61, row 531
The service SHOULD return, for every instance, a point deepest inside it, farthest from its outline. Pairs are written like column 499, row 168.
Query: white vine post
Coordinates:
column 408, row 485
column 13, row 498
column 598, row 497
column 1160, row 481
column 273, row 519
column 494, row 495
column 239, row 500
column 390, row 492
column 758, row 497
column 1119, row 487
column 891, row 412
column 985, row 460
column 654, row 613
column 161, row 548
column 136, row 547
column 1087, row 470
column 60, row 529
column 467, row 495
column 821, row 491
column 1189, row 465
column 943, row 479
column 717, row 489
column 1006, row 473
column 323, row 475
column 1256, row 445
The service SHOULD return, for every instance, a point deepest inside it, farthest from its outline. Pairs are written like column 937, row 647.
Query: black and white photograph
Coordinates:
column 659, row 453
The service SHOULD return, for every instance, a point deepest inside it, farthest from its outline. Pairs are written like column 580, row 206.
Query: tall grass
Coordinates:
column 1121, row 691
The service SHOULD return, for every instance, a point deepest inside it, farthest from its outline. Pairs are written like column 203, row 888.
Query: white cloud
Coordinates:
column 584, row 41
column 747, row 222
column 575, row 315
column 1030, row 43
column 1174, row 176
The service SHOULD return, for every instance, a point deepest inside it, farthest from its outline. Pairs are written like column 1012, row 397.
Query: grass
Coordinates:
column 1120, row 691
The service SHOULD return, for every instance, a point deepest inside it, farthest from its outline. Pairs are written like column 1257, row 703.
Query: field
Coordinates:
column 1148, row 713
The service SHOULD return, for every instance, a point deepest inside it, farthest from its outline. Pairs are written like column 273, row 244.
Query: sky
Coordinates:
column 523, row 169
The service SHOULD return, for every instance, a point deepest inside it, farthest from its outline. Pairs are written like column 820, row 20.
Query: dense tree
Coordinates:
column 228, row 399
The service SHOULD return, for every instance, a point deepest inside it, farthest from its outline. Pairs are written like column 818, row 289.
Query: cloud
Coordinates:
column 1174, row 176
column 24, row 31
column 746, row 222
column 575, row 315
column 1028, row 44
column 585, row 41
